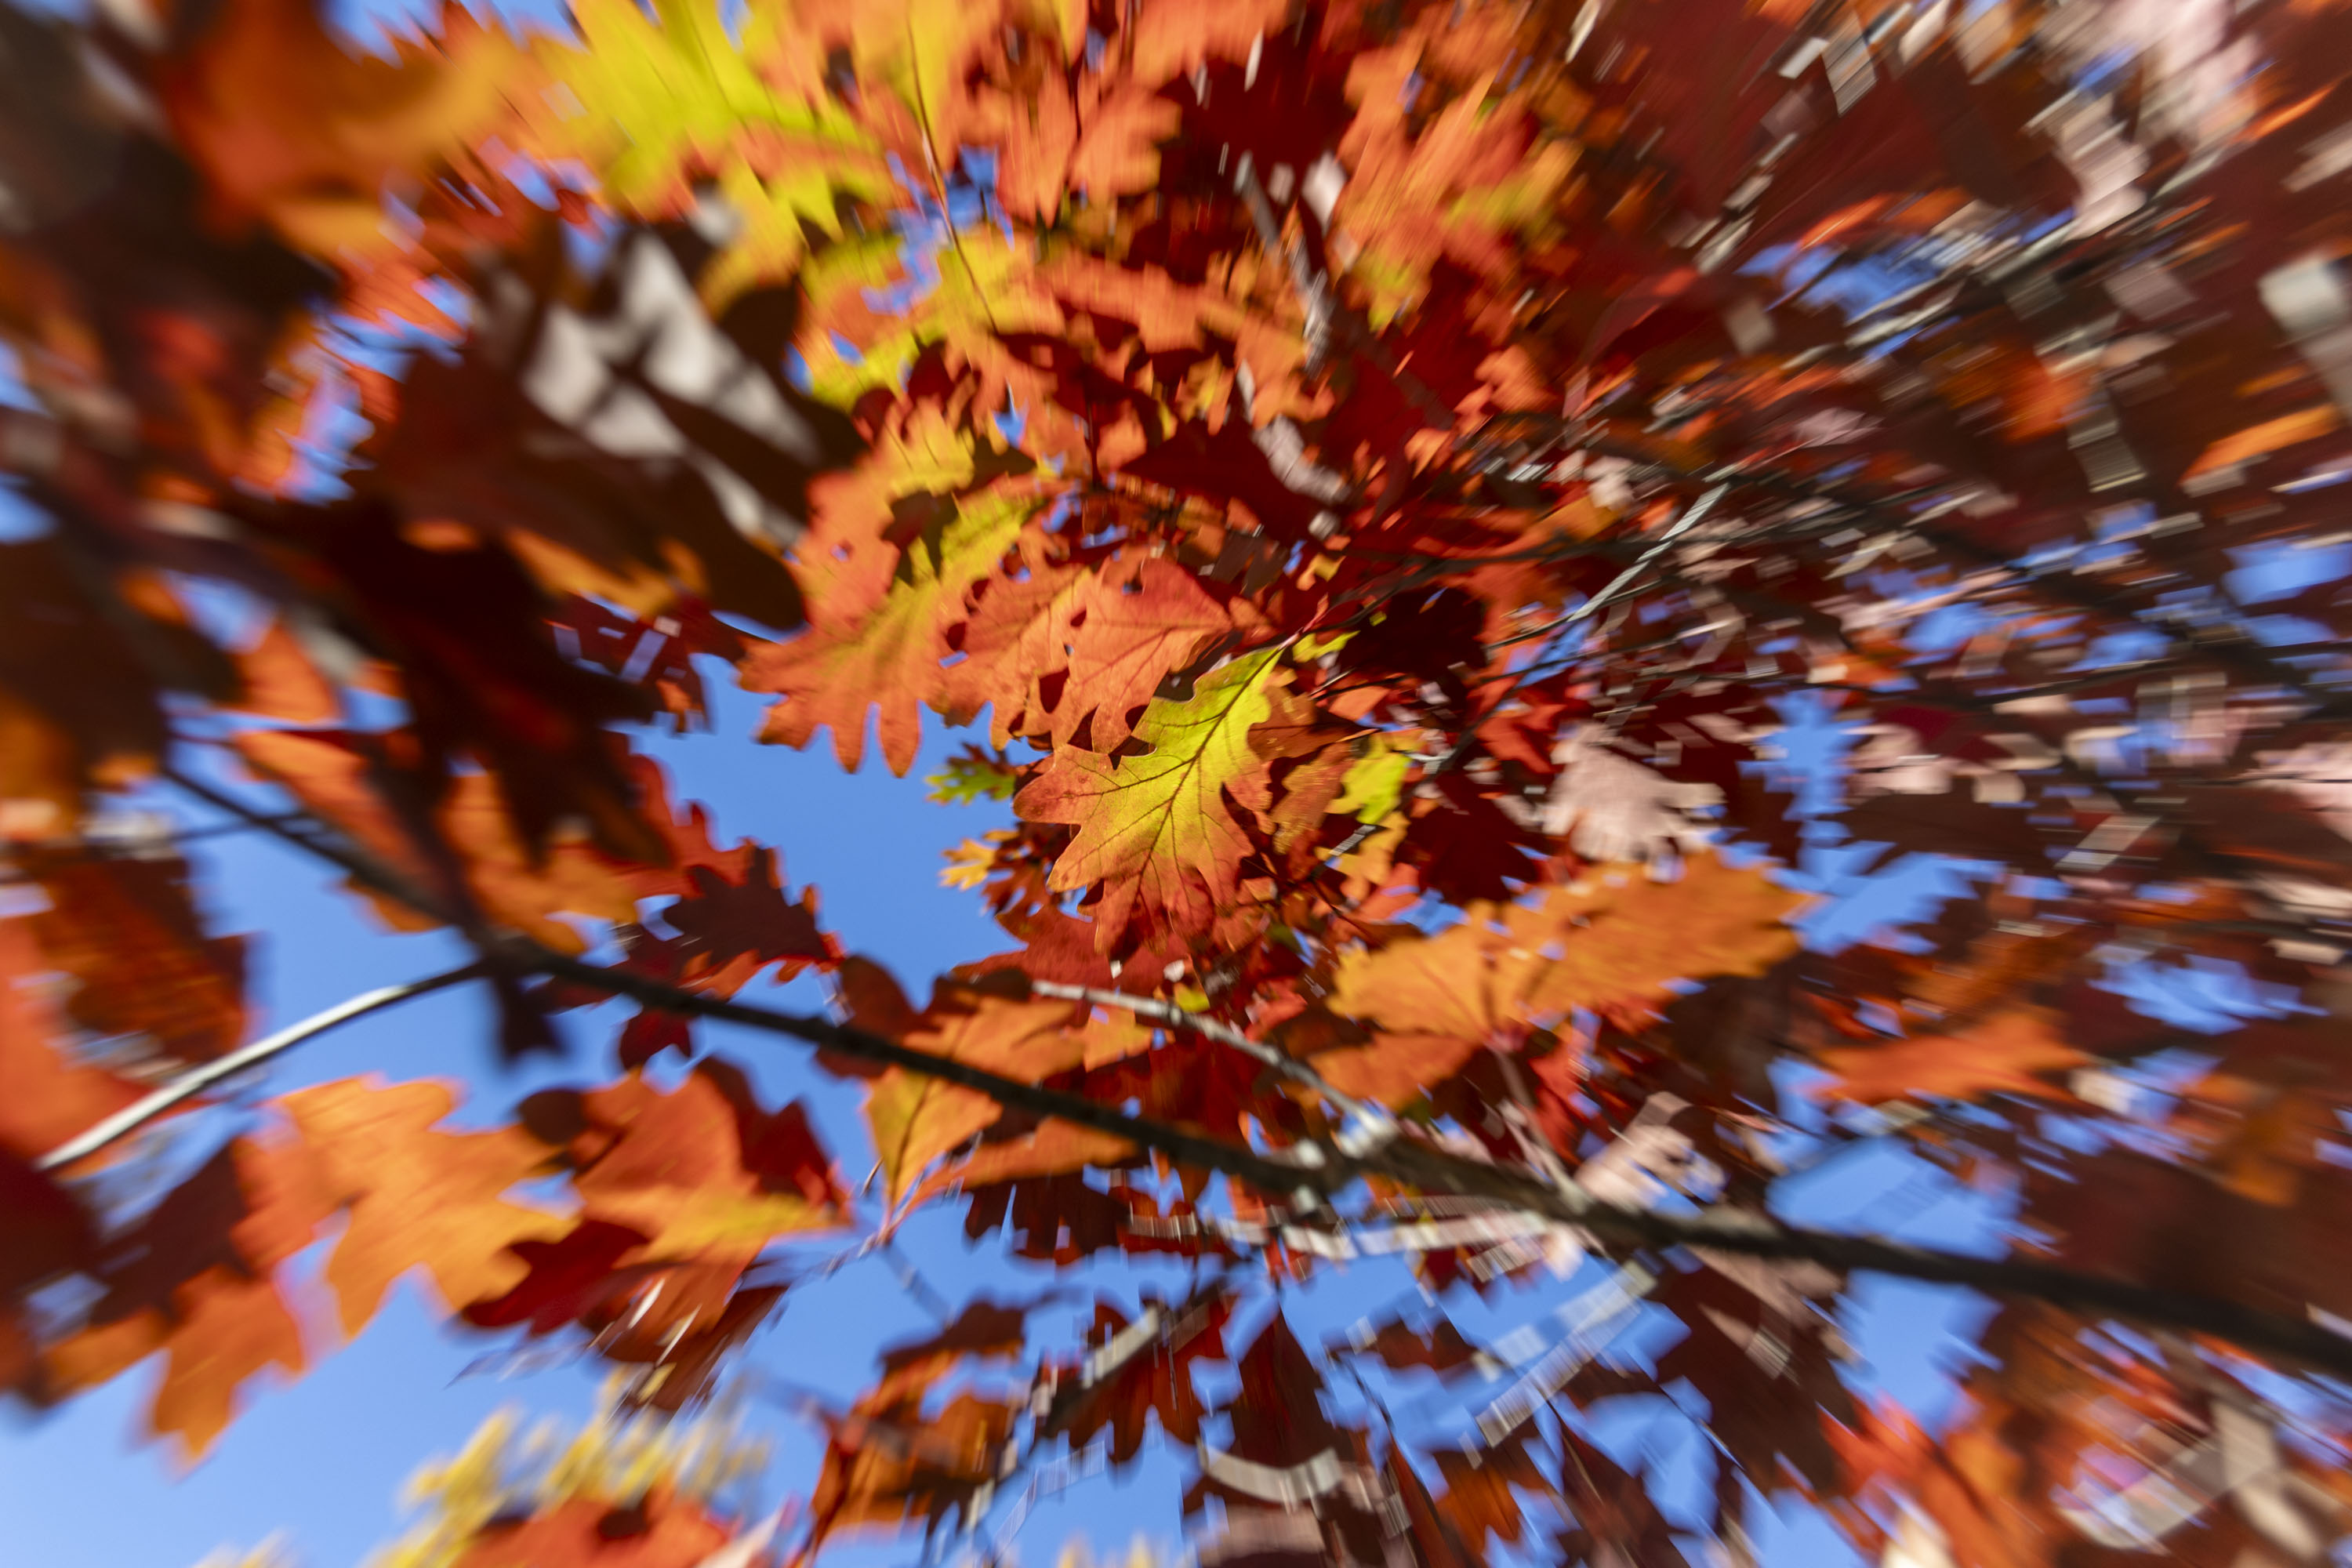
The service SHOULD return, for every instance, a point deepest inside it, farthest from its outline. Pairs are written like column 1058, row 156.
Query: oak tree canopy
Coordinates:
column 1376, row 482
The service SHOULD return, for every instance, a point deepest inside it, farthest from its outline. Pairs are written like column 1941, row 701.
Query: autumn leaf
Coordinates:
column 2288, row 430
column 700, row 1171
column 915, row 1119
column 1118, row 153
column 650, row 100
column 281, row 682
column 730, row 930
column 1053, row 1149
column 1463, row 983
column 2015, row 1052
column 568, row 1278
column 1393, row 1069
column 1161, row 827
column 289, row 124
column 224, row 1328
column 1614, row 939
column 880, row 1472
column 76, row 706
column 1134, row 628
column 1621, row 935
column 47, row 1231
column 196, row 1279
column 418, row 1196
column 891, row 659
column 127, row 929
column 1153, row 1381
column 655, row 1531
column 45, row 1097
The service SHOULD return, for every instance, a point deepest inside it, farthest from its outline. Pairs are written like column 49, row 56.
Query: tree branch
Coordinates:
column 195, row 1081
column 1311, row 1173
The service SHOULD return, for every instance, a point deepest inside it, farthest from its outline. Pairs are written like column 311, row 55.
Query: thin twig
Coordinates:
column 1693, row 515
column 1170, row 1016
column 196, row 1080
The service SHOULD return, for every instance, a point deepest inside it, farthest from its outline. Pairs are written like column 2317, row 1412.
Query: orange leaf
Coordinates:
column 281, row 681
column 702, row 1168
column 658, row 1531
column 287, row 122
column 1621, row 936
column 1119, row 152
column 1395, row 1069
column 1613, row 938
column 2007, row 1054
column 1171, row 40
column 418, row 1196
column 1163, row 825
column 223, row 1327
column 45, row 1099
column 2287, row 430
column 1055, row 1148
column 129, row 932
column 193, row 1278
column 1134, row 627
column 834, row 675
column 915, row 1119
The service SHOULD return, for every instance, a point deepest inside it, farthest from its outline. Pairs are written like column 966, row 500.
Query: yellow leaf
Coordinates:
column 652, row 104
column 1374, row 784
column 1158, row 826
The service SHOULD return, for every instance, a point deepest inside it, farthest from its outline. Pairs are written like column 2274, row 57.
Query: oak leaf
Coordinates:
column 78, row 708
column 879, row 1470
column 568, row 1278
column 418, row 1196
column 1393, row 1069
column 288, row 123
column 1463, row 983
column 916, row 1118
column 651, row 99
column 195, row 1277
column 1161, row 827
column 45, row 1230
column 658, row 1531
column 700, row 1169
column 220, row 1327
column 1052, row 1149
column 890, row 660
column 1621, row 936
column 127, row 929
column 45, row 1097
column 281, row 682
column 2012, row 1052
column 1135, row 626
column 1614, row 939
column 1153, row 1380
